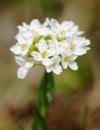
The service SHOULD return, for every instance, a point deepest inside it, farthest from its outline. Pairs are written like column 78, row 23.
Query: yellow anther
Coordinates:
column 67, row 59
column 34, row 31
column 24, row 46
column 62, row 31
column 72, row 46
column 44, row 53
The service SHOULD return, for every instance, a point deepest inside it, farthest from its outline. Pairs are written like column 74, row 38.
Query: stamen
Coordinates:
column 72, row 46
column 24, row 46
column 44, row 53
column 62, row 31
column 67, row 59
column 34, row 31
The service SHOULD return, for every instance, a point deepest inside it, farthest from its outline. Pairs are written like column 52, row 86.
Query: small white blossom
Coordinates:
column 78, row 45
column 24, row 66
column 24, row 30
column 42, row 55
column 68, row 61
column 36, row 28
column 55, row 66
column 22, row 46
column 66, row 28
column 54, row 45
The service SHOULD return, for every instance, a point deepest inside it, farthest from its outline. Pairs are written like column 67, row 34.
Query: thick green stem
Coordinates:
column 44, row 97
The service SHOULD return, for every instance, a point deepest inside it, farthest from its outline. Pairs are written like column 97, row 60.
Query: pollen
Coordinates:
column 72, row 46
column 34, row 31
column 67, row 59
column 62, row 31
column 44, row 53
column 24, row 46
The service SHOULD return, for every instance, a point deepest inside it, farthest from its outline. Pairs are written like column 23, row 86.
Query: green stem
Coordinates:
column 44, row 97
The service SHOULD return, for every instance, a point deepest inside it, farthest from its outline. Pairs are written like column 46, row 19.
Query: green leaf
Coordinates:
column 45, row 93
column 39, row 122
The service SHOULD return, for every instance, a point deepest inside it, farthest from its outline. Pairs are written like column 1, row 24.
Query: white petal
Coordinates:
column 37, row 56
column 46, row 22
column 55, row 60
column 19, row 60
column 28, row 65
column 16, row 49
column 64, row 64
column 27, row 34
column 75, row 28
column 22, row 72
column 79, row 32
column 73, row 57
column 35, row 23
column 54, row 24
column 86, row 42
column 21, row 28
column 87, row 48
column 44, row 31
column 20, row 39
column 80, row 51
column 42, row 46
column 48, row 69
column 64, row 24
column 57, row 69
column 46, row 62
column 73, row 65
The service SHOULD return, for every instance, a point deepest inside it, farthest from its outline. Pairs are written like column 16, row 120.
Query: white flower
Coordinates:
column 55, row 66
column 68, row 61
column 57, row 48
column 34, row 29
column 24, row 30
column 24, row 66
column 78, row 45
column 42, row 54
column 35, row 26
column 54, row 45
column 39, row 29
column 22, row 46
column 66, row 28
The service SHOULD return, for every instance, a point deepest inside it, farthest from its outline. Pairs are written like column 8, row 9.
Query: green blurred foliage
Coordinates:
column 50, row 7
column 46, row 8
column 71, row 81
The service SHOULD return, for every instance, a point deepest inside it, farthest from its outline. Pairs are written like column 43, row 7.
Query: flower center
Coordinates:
column 72, row 46
column 67, row 58
column 34, row 31
column 24, row 46
column 62, row 31
column 44, row 53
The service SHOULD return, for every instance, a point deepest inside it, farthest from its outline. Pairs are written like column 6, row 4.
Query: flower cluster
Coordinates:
column 51, row 44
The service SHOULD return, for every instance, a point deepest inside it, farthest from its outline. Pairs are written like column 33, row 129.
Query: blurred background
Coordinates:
column 74, row 90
